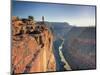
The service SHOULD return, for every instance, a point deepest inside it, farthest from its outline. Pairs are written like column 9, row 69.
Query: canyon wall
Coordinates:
column 32, row 44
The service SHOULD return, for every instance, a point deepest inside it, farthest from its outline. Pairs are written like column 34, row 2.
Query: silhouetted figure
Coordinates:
column 43, row 19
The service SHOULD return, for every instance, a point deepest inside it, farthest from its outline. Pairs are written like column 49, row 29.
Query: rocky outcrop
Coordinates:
column 31, row 47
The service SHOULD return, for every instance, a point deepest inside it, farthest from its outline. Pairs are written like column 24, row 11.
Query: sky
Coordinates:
column 77, row 15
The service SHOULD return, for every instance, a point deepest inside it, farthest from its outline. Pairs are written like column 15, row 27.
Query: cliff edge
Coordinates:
column 32, row 44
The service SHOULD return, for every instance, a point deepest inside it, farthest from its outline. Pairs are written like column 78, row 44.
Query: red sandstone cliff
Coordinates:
column 31, row 47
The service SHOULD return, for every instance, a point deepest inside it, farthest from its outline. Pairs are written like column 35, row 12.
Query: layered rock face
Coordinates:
column 31, row 47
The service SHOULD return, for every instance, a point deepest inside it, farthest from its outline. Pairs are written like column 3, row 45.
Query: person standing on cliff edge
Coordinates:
column 43, row 19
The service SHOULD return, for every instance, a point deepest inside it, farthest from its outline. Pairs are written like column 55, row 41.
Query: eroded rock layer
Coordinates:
column 31, row 47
